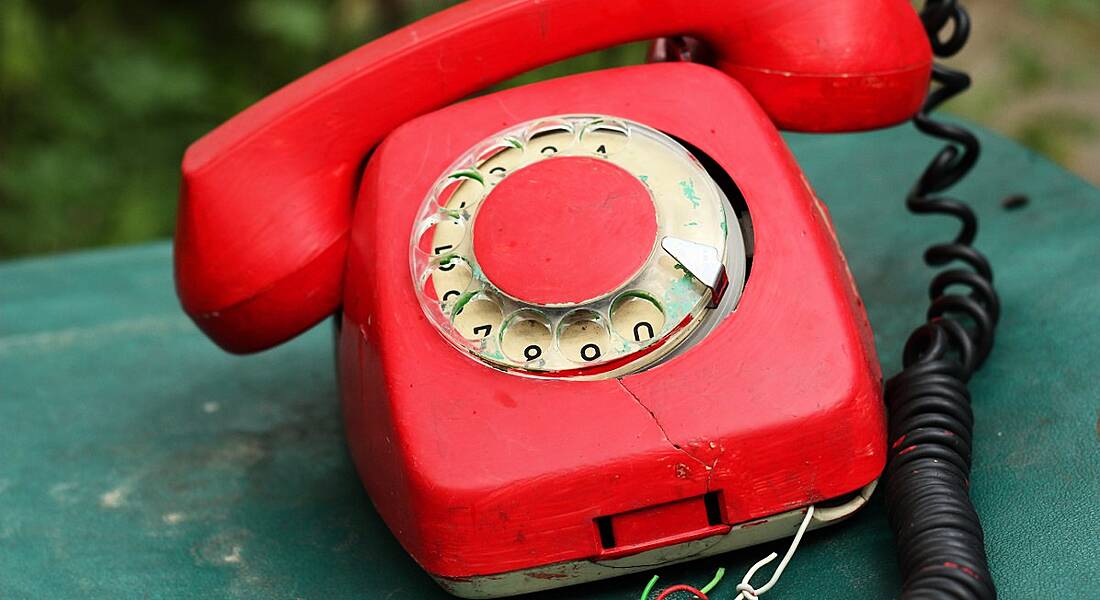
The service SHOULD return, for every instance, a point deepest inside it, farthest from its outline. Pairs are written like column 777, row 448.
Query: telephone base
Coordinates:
column 568, row 573
column 478, row 470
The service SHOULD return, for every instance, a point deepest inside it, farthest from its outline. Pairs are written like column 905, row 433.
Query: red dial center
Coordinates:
column 564, row 230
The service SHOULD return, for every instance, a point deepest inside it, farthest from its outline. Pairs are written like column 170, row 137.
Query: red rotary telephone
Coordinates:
column 590, row 325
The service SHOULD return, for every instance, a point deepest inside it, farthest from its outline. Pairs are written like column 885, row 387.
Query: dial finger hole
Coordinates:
column 423, row 235
column 582, row 337
column 500, row 159
column 526, row 336
column 604, row 136
column 450, row 277
column 550, row 137
column 476, row 317
column 445, row 236
column 637, row 317
column 462, row 190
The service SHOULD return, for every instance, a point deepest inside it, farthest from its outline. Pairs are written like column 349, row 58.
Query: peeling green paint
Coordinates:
column 680, row 298
column 467, row 174
column 461, row 303
column 687, row 188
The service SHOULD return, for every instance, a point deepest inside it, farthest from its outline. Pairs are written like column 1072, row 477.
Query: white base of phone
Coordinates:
column 564, row 574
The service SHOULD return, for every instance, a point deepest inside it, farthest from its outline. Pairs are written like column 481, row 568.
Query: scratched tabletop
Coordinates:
column 139, row 461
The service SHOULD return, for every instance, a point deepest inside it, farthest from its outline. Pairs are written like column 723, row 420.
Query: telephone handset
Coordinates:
column 266, row 200
column 586, row 326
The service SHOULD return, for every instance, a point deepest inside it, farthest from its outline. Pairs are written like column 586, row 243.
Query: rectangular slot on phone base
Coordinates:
column 662, row 525
column 713, row 505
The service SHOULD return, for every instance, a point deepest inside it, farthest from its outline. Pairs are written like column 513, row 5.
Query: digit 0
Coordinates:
column 590, row 352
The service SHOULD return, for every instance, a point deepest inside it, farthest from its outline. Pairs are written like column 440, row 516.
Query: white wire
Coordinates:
column 746, row 591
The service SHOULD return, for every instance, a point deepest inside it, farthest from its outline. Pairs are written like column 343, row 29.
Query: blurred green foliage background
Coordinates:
column 99, row 99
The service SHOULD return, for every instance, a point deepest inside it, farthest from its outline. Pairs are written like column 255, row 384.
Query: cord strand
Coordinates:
column 941, row 546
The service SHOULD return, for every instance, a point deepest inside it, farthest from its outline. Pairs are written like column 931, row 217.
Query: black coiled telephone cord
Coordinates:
column 941, row 547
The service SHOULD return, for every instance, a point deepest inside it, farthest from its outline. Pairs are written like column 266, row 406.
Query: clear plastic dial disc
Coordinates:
column 574, row 246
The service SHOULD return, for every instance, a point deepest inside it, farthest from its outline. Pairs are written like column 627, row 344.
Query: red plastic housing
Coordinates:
column 480, row 472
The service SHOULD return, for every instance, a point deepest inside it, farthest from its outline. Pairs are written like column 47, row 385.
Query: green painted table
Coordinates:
column 137, row 460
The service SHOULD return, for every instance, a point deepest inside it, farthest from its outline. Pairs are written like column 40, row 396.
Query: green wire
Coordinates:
column 713, row 582
column 705, row 589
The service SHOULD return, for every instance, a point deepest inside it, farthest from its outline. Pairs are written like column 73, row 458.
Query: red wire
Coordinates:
column 682, row 588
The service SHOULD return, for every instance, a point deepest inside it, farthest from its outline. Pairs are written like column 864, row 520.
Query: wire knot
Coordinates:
column 746, row 591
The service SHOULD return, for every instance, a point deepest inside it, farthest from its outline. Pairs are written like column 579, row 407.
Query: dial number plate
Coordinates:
column 613, row 332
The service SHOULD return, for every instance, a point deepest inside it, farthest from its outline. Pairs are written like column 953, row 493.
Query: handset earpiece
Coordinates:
column 266, row 198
